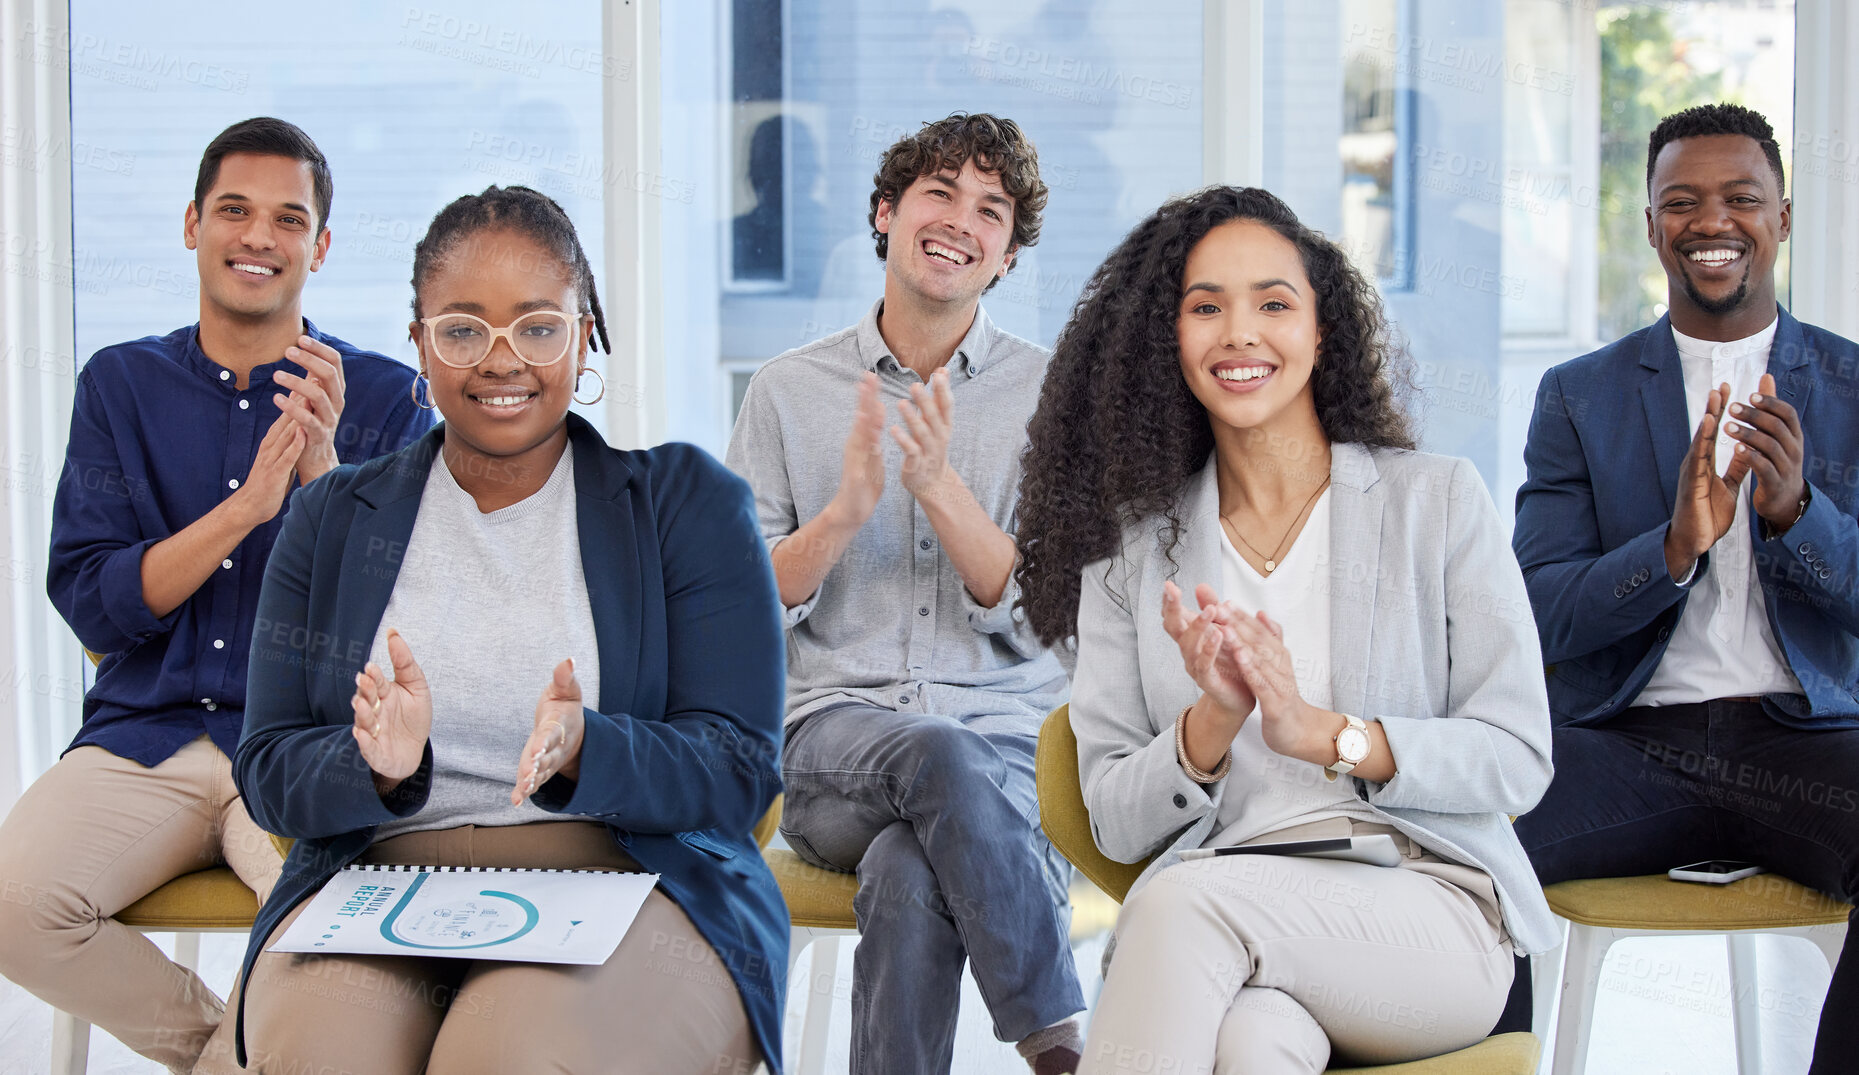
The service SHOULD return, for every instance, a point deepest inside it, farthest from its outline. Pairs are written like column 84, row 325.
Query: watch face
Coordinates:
column 1352, row 745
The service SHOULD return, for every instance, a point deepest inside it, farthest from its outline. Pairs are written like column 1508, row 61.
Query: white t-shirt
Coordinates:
column 1722, row 646
column 1267, row 791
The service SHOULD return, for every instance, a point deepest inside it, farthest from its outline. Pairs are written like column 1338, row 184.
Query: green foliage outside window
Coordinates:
column 1646, row 75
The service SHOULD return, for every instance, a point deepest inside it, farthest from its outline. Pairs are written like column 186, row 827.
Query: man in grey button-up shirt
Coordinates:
column 915, row 691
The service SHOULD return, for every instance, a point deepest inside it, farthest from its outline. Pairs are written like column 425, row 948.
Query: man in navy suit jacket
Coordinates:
column 1697, row 595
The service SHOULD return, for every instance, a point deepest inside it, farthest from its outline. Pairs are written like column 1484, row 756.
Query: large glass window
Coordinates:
column 414, row 106
column 777, row 111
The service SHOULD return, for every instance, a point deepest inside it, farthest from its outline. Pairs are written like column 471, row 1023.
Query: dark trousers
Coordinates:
column 1658, row 787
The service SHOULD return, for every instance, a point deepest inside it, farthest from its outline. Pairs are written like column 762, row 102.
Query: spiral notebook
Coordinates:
column 525, row 916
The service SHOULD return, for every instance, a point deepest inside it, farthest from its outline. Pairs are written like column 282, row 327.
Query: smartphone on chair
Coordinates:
column 1715, row 872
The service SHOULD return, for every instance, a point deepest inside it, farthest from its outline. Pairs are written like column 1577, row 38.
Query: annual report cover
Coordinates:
column 525, row 916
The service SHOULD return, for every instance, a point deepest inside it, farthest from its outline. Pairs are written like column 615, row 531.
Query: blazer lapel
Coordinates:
column 1663, row 397
column 1789, row 363
column 1198, row 553
column 609, row 563
column 1355, row 554
column 387, row 506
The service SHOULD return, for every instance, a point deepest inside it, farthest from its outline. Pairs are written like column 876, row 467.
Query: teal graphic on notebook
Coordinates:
column 467, row 922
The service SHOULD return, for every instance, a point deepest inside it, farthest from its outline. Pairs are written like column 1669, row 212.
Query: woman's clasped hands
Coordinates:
column 393, row 720
column 1240, row 661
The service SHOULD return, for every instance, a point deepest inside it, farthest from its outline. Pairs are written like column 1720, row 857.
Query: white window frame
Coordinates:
column 1233, row 92
column 633, row 143
column 44, row 663
column 1824, row 270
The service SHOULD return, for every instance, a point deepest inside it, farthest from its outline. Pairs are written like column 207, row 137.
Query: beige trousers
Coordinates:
column 90, row 837
column 1269, row 964
column 663, row 1003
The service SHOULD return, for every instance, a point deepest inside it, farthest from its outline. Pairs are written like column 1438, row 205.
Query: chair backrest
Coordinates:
column 1062, row 812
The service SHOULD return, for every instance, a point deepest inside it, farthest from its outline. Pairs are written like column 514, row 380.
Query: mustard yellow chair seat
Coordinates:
column 1602, row 910
column 1067, row 821
column 816, row 898
column 1499, row 1054
column 1765, row 901
column 212, row 899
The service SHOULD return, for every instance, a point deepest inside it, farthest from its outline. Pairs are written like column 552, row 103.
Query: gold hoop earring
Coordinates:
column 414, row 391
column 577, row 386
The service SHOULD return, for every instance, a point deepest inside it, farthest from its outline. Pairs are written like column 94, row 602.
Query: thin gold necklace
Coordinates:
column 1271, row 562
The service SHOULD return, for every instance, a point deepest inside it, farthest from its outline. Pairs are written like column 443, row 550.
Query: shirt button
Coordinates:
column 219, row 643
column 210, row 704
column 924, row 544
column 1664, row 633
column 245, row 404
column 225, row 375
column 923, row 611
column 903, row 699
column 233, row 484
column 1181, row 800
column 227, row 564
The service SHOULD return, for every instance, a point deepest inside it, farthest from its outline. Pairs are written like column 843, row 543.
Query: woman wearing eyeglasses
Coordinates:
column 499, row 648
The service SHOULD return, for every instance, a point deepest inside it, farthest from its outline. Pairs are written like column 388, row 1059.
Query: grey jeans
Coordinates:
column 940, row 820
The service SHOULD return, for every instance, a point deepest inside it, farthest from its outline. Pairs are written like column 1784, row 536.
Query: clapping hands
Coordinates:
column 393, row 717
column 1240, row 661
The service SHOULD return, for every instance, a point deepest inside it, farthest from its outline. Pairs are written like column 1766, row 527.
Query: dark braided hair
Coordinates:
column 519, row 209
column 1118, row 432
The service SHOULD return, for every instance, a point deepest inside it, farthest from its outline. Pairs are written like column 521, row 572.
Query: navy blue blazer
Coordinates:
column 1606, row 441
column 680, row 761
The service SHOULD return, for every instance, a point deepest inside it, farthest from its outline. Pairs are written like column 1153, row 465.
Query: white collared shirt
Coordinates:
column 1722, row 646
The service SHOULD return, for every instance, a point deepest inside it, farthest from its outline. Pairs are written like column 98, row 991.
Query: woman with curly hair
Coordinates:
column 1218, row 420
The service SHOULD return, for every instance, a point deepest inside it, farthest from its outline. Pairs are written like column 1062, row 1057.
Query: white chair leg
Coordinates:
column 1745, row 1007
column 799, row 939
column 70, row 1044
column 819, row 1023
column 1545, row 987
column 187, row 950
column 1581, row 977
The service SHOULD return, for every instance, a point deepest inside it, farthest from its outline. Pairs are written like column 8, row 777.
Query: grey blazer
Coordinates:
column 1430, row 634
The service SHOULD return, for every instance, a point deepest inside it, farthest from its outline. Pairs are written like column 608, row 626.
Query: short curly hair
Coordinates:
column 1118, row 433
column 996, row 145
column 1712, row 119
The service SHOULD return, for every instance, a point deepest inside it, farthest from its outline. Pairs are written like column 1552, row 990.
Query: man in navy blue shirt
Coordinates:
column 184, row 449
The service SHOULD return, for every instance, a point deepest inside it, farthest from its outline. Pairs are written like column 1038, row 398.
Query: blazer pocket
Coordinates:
column 708, row 844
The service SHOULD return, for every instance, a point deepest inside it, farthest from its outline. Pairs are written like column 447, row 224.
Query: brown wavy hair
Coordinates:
column 996, row 145
column 1118, row 433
